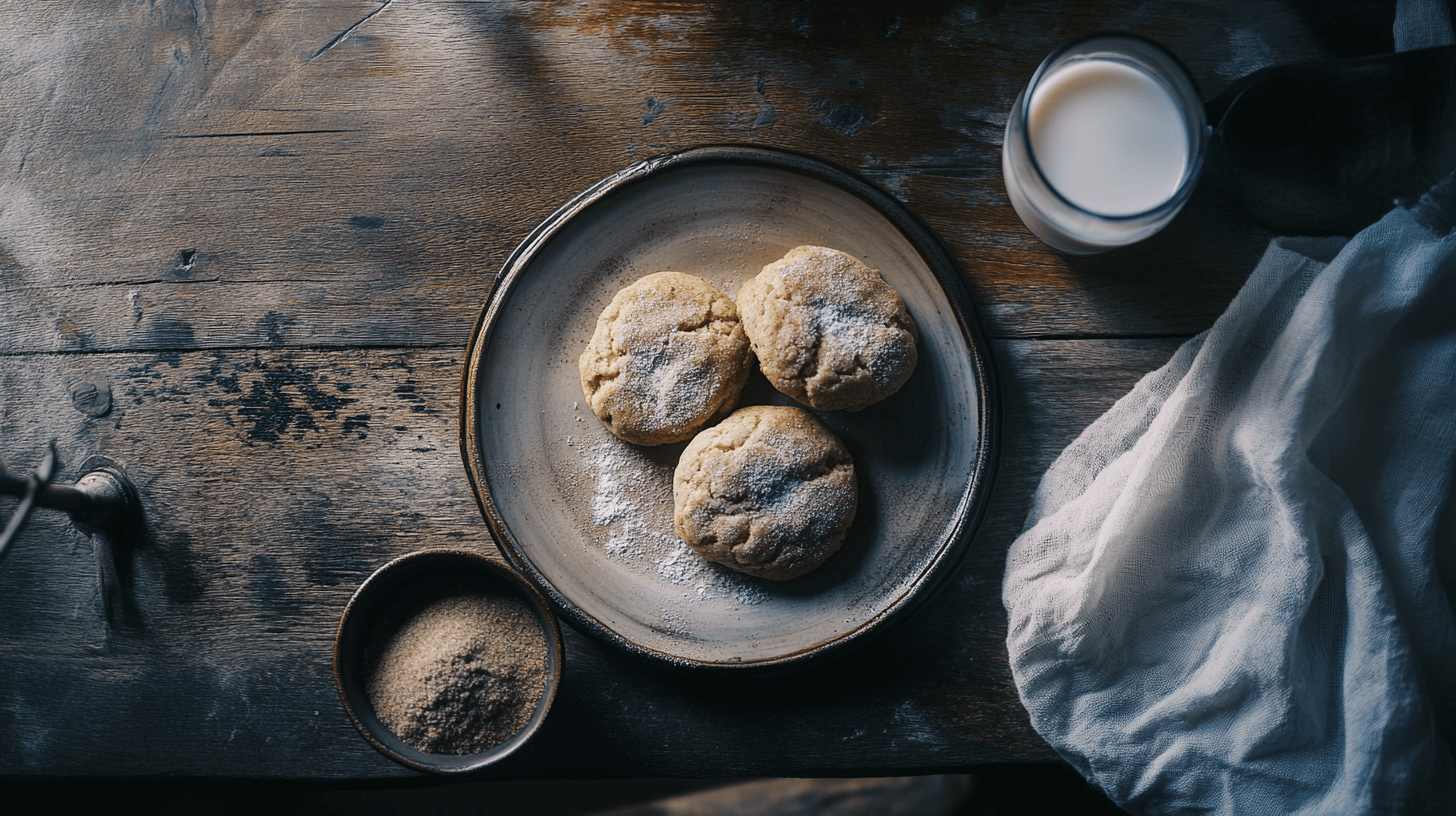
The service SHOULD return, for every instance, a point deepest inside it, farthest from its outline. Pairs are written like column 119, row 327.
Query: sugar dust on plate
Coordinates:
column 630, row 492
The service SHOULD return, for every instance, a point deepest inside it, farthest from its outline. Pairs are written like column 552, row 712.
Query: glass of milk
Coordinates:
column 1104, row 145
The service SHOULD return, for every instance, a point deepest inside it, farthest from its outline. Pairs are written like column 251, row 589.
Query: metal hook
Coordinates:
column 28, row 489
column 102, row 498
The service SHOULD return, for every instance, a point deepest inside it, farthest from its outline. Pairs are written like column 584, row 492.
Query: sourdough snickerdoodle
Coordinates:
column 668, row 357
column 769, row 491
column 828, row 330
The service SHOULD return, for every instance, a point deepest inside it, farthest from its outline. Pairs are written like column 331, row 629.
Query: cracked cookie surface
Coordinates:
column 669, row 356
column 769, row 491
column 828, row 330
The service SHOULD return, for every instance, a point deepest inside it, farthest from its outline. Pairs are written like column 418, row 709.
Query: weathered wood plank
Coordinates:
column 266, row 228
column 895, row 796
column 275, row 481
column 184, row 175
column 272, row 485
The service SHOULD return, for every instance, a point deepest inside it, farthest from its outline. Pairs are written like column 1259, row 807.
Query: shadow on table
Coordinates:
column 942, row 795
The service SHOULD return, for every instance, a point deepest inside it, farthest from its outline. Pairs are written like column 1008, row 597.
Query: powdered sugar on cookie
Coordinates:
column 828, row 331
column 668, row 357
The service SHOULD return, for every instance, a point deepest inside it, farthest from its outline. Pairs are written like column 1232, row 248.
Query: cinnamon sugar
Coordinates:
column 456, row 665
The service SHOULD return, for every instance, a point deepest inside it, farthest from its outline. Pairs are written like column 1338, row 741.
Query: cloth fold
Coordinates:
column 1234, row 590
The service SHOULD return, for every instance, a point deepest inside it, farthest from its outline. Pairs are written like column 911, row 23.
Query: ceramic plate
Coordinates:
column 588, row 517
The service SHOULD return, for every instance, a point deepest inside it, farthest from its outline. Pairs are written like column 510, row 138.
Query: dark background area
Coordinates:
column 988, row 795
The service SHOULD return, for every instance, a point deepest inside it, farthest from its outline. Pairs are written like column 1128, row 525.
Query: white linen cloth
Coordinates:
column 1234, row 590
column 1422, row 24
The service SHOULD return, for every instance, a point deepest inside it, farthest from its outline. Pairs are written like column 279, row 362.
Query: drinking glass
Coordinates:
column 1094, row 109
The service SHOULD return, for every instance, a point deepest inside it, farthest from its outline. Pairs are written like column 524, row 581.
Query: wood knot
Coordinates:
column 91, row 397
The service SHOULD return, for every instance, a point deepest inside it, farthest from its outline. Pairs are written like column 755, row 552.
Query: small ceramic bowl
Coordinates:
column 363, row 614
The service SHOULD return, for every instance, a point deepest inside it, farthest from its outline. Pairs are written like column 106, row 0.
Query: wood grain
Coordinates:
column 264, row 230
column 274, row 482
column 186, row 175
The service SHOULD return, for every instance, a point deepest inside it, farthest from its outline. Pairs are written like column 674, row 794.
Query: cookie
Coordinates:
column 828, row 331
column 769, row 491
column 668, row 357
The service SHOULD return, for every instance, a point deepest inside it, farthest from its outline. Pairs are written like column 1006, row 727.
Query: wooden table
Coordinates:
column 265, row 230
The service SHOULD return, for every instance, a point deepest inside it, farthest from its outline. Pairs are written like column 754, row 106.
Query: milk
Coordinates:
column 1108, row 137
column 1103, row 148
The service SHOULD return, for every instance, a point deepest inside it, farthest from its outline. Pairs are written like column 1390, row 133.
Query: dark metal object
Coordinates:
column 29, row 490
column 1330, row 147
column 102, row 499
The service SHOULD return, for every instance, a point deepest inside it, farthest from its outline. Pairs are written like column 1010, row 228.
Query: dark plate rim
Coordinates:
column 971, row 508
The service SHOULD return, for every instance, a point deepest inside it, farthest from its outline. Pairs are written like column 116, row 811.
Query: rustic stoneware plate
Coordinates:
column 362, row 615
column 588, row 517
